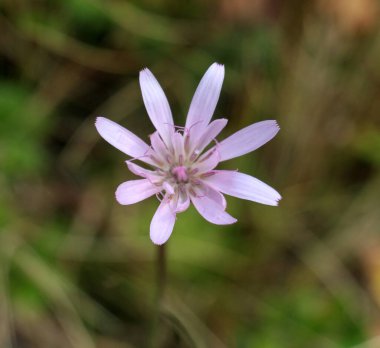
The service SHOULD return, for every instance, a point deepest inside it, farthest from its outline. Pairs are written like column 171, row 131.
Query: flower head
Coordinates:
column 180, row 171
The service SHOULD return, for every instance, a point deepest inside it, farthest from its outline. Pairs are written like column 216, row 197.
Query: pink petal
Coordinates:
column 183, row 203
column 205, row 98
column 161, row 152
column 242, row 186
column 157, row 143
column 208, row 161
column 156, row 105
column 168, row 188
column 123, row 139
column 210, row 209
column 180, row 201
column 162, row 223
column 216, row 196
column 134, row 191
column 248, row 139
column 178, row 146
column 211, row 131
column 145, row 173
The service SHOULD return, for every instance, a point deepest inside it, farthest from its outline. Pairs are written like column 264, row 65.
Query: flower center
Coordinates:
column 180, row 174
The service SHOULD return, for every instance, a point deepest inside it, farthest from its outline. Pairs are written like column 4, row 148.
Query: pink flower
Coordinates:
column 179, row 171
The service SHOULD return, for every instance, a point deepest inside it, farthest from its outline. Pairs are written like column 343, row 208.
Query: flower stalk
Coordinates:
column 159, row 295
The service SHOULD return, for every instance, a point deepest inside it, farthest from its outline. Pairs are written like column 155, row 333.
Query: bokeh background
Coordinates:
column 78, row 270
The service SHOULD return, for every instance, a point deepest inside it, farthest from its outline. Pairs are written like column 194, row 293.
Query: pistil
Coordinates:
column 180, row 174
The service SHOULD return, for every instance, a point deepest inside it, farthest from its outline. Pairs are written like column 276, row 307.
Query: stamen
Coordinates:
column 181, row 128
column 195, row 124
column 171, row 125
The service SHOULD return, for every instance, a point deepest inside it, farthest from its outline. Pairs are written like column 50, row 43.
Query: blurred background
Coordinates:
column 77, row 269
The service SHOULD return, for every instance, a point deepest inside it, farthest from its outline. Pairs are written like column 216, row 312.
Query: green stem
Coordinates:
column 161, row 272
column 160, row 290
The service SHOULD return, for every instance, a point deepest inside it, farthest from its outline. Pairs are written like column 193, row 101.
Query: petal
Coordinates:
column 183, row 203
column 178, row 146
column 216, row 196
column 168, row 188
column 205, row 98
column 160, row 153
column 157, row 143
column 210, row 209
column 156, row 105
column 248, row 139
column 181, row 200
column 145, row 173
column 211, row 131
column 134, row 191
column 123, row 139
column 208, row 161
column 242, row 186
column 162, row 223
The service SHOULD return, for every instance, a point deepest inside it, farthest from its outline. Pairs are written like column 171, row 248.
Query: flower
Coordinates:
column 180, row 171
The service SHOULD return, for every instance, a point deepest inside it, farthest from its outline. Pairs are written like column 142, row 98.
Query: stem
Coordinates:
column 161, row 273
column 160, row 289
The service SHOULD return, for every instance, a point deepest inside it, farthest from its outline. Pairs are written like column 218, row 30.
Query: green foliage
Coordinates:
column 22, row 152
column 368, row 146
